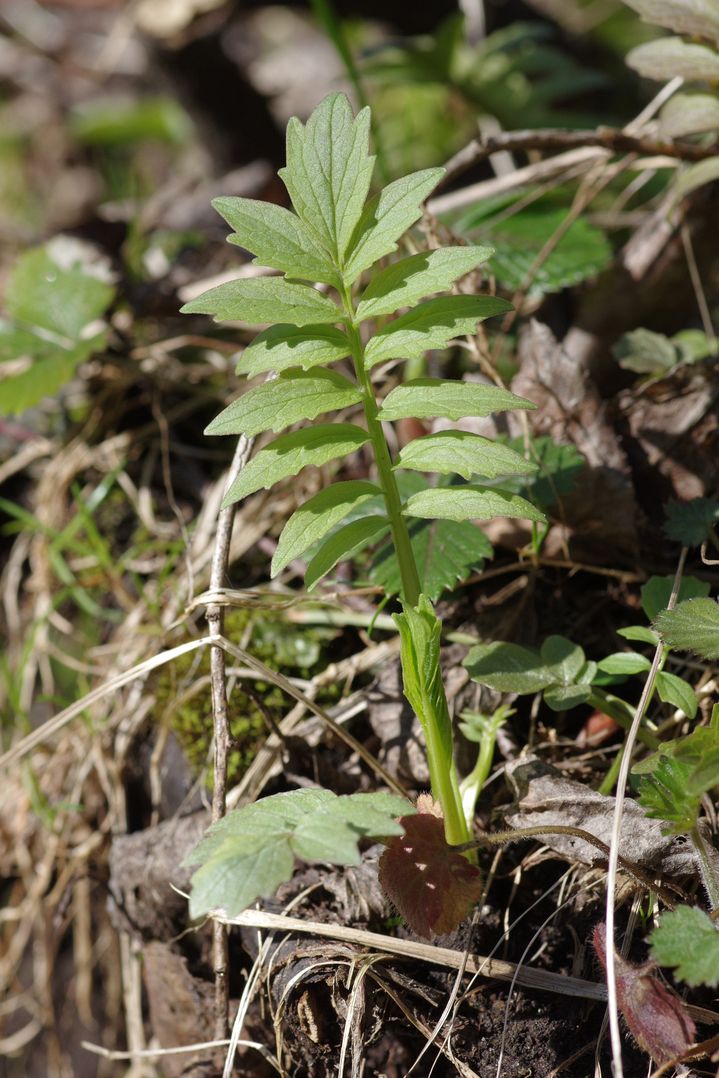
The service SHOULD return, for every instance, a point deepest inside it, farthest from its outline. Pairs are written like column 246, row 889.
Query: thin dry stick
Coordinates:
column 222, row 738
column 617, row 827
column 608, row 138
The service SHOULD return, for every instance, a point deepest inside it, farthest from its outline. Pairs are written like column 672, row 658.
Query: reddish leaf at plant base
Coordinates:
column 432, row 886
column 653, row 1012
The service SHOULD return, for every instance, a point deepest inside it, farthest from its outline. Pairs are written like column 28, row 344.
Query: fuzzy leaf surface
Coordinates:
column 277, row 238
column 692, row 626
column 329, row 170
column 655, row 1014
column 406, row 282
column 258, row 300
column 281, row 347
column 249, row 853
column 687, row 940
column 459, row 453
column 293, row 396
column 699, row 17
column 432, row 886
column 343, row 544
column 290, row 453
column 318, row 516
column 431, row 325
column 469, row 503
column 508, row 667
column 386, row 217
column 432, row 398
column 689, row 114
column 671, row 57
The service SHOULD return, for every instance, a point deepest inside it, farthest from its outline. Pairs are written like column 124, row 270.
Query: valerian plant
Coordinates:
column 336, row 236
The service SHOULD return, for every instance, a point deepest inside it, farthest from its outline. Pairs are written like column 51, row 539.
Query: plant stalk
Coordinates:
column 442, row 770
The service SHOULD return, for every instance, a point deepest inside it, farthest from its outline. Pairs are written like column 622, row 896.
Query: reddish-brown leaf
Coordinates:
column 432, row 886
column 654, row 1013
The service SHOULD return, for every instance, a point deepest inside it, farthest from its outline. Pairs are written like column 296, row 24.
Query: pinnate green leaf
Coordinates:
column 469, row 503
column 329, row 170
column 277, row 237
column 290, row 453
column 249, row 853
column 405, row 282
column 343, row 544
column 508, row 667
column 387, row 217
column 687, row 939
column 258, row 300
column 431, row 325
column 692, row 626
column 281, row 347
column 678, row 692
column 294, row 395
column 318, row 516
column 460, row 453
column 431, row 398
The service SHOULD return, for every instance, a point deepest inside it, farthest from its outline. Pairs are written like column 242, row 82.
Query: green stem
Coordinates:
column 411, row 587
column 442, row 771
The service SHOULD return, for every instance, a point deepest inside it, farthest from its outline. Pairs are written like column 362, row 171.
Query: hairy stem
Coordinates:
column 706, row 869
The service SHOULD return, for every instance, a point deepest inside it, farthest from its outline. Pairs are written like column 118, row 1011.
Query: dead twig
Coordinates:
column 549, row 139
column 215, row 615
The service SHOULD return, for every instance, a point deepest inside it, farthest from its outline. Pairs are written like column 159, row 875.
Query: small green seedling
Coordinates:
column 336, row 237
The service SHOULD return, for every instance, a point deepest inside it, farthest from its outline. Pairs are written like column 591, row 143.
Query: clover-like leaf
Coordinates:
column 250, row 852
column 406, row 282
column 508, row 667
column 678, row 692
column 290, row 453
column 294, row 395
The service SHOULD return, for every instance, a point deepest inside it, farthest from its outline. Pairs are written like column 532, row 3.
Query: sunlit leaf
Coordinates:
column 405, row 282
column 430, row 398
column 259, row 300
column 293, row 396
column 318, row 516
